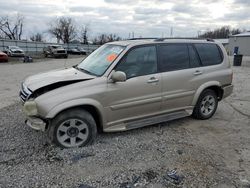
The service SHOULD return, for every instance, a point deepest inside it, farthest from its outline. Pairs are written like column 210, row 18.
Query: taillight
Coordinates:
column 232, row 76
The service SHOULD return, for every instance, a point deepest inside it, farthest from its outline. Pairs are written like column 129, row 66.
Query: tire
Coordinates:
column 66, row 56
column 73, row 128
column 206, row 105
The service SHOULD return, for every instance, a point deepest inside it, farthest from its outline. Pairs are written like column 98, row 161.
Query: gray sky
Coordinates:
column 146, row 18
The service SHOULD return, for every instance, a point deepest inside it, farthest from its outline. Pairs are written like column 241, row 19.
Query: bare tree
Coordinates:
column 84, row 34
column 63, row 29
column 223, row 32
column 12, row 28
column 37, row 37
column 104, row 38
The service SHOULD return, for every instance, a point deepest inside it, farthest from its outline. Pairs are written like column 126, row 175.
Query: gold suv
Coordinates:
column 126, row 85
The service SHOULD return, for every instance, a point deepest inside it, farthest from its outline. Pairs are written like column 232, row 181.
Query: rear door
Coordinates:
column 180, row 67
column 140, row 94
column 212, row 68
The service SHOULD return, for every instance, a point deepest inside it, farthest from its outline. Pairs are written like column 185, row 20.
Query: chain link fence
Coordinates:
column 36, row 48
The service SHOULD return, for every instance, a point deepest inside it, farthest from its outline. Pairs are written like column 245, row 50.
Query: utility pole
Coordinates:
column 171, row 32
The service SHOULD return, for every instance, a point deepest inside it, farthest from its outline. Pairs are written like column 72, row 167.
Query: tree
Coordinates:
column 36, row 37
column 223, row 32
column 63, row 29
column 84, row 34
column 12, row 28
column 104, row 38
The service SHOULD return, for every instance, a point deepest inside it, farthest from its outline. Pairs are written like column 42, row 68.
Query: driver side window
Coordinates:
column 139, row 61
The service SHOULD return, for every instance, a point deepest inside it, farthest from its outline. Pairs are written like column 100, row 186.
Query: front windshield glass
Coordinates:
column 99, row 61
column 14, row 47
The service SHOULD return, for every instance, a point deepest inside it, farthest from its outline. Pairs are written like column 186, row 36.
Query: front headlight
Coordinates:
column 30, row 108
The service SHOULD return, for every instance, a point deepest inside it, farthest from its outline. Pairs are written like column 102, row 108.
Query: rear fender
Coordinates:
column 202, row 88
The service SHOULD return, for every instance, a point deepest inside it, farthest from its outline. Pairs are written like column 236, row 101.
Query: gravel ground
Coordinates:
column 210, row 153
column 12, row 74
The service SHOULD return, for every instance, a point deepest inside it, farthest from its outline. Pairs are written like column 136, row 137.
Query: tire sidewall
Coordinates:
column 85, row 117
column 202, row 96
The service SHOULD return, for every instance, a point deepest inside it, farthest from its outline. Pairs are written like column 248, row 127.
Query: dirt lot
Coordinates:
column 211, row 153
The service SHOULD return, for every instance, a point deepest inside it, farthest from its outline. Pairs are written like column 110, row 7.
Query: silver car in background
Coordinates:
column 14, row 51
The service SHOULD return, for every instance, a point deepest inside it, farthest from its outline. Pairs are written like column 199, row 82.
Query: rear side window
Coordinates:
column 173, row 57
column 209, row 54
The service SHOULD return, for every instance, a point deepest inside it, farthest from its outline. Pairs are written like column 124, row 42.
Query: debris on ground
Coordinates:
column 173, row 178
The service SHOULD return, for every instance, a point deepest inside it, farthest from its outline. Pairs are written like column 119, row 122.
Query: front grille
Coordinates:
column 61, row 51
column 25, row 93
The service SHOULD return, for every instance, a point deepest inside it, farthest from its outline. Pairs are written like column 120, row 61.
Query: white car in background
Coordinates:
column 14, row 51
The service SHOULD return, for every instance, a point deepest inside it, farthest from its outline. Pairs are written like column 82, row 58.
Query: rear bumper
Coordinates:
column 227, row 90
column 36, row 123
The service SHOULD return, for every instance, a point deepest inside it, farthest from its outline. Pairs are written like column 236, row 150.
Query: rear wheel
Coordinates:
column 73, row 128
column 206, row 105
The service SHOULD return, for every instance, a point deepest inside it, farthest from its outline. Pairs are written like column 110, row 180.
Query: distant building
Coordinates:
column 240, row 44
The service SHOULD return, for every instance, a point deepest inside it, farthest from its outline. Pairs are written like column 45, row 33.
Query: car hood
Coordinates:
column 2, row 53
column 56, row 76
column 16, row 50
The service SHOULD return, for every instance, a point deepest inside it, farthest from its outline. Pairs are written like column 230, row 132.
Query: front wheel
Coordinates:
column 73, row 128
column 206, row 105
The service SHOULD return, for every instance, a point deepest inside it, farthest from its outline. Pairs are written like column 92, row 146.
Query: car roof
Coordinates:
column 160, row 41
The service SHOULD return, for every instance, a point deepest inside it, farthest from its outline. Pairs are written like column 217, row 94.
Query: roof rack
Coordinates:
column 145, row 38
column 162, row 39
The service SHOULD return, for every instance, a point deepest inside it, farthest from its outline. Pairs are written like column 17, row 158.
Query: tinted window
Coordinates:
column 209, row 54
column 139, row 61
column 193, row 57
column 173, row 57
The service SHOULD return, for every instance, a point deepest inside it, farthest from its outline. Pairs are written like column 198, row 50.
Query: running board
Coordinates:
column 155, row 119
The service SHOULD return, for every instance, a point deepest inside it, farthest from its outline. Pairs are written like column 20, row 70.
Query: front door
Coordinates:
column 140, row 94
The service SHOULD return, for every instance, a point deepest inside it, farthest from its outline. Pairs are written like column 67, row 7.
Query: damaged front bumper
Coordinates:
column 36, row 123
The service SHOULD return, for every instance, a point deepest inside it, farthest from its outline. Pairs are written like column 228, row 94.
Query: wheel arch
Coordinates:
column 92, row 106
column 213, row 85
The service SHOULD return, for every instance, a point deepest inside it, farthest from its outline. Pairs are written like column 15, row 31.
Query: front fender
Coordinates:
column 202, row 88
column 74, row 103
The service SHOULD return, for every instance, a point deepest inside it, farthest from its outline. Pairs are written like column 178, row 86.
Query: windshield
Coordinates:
column 14, row 47
column 99, row 61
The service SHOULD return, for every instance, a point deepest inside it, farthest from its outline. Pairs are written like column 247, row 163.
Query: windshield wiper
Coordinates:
column 84, row 70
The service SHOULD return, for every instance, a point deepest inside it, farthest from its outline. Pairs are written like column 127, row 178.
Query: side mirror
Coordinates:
column 119, row 76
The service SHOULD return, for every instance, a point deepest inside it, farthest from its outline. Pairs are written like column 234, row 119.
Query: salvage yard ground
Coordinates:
column 210, row 153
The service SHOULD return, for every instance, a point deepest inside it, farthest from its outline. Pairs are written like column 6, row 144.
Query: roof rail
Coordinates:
column 145, row 38
column 210, row 40
column 189, row 38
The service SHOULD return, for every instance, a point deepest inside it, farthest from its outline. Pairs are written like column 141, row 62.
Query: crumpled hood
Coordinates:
column 44, row 79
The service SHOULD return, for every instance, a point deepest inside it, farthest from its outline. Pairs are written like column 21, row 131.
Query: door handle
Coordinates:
column 153, row 80
column 198, row 72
